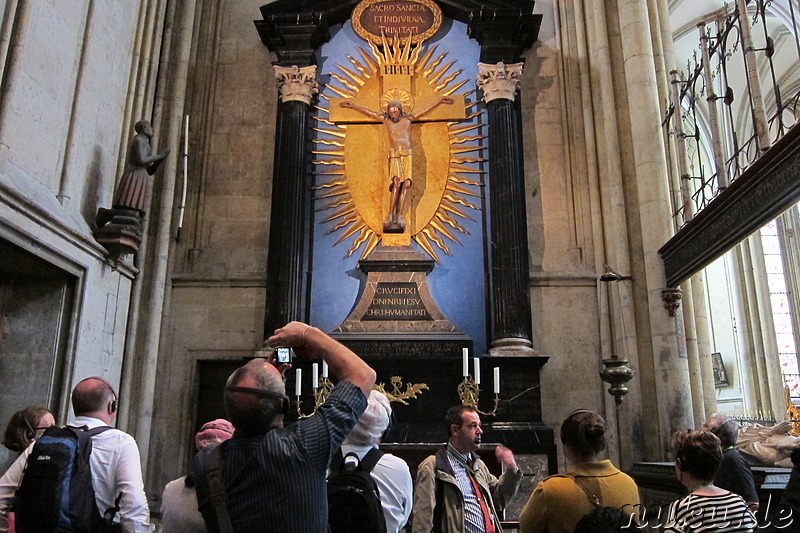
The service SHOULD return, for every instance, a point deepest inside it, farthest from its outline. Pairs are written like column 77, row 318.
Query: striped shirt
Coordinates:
column 276, row 481
column 473, row 516
column 727, row 513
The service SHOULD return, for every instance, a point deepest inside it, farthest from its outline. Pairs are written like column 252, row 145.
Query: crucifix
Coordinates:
column 393, row 108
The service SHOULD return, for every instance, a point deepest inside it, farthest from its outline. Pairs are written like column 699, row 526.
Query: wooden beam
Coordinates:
column 764, row 190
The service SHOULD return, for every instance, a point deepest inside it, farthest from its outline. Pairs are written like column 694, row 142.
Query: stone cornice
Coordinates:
column 294, row 29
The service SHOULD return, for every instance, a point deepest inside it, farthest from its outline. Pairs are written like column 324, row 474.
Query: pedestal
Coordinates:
column 396, row 299
column 119, row 231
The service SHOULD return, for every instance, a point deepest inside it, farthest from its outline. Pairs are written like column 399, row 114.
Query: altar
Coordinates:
column 411, row 221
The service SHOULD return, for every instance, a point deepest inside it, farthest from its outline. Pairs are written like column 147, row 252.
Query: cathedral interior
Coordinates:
column 600, row 211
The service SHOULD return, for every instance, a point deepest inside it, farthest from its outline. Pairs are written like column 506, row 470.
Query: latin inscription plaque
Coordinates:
column 397, row 301
column 418, row 19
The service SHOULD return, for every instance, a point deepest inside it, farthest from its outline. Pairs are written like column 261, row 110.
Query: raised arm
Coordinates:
column 363, row 110
column 308, row 341
column 443, row 100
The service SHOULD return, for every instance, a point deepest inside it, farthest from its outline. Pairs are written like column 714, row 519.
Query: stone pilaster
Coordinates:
column 510, row 298
column 287, row 262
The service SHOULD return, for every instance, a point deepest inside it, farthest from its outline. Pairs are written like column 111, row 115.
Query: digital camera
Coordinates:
column 283, row 355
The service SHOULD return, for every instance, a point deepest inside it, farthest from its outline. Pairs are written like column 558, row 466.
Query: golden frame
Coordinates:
column 355, row 18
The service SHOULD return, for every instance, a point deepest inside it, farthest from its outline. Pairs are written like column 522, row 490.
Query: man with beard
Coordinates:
column 455, row 492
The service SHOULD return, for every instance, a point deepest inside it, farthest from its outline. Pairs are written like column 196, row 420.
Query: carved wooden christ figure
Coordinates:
column 398, row 127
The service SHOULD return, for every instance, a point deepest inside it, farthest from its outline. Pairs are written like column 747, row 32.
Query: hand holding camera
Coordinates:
column 297, row 336
column 282, row 355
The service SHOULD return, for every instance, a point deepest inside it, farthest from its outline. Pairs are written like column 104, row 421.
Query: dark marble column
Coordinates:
column 294, row 37
column 289, row 235
column 503, row 34
column 510, row 303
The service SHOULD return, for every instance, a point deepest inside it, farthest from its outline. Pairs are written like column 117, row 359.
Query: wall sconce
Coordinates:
column 469, row 389
column 616, row 370
column 321, row 386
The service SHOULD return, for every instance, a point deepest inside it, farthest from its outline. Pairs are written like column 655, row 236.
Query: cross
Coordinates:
column 394, row 84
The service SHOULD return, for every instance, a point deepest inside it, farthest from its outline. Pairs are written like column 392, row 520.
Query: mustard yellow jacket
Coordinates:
column 557, row 503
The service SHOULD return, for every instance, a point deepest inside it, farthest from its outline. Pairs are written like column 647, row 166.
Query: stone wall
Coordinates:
column 62, row 125
column 217, row 285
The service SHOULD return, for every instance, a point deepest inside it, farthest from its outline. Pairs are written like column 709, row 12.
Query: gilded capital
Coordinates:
column 499, row 81
column 297, row 83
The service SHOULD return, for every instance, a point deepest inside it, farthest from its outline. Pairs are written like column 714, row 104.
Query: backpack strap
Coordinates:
column 216, row 490
column 111, row 512
column 86, row 449
column 370, row 460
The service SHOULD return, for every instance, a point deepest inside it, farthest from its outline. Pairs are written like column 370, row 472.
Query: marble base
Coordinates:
column 396, row 298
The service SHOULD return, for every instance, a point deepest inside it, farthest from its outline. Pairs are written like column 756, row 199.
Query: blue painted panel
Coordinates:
column 458, row 283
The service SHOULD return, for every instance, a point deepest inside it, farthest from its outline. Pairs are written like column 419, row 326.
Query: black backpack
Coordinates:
column 354, row 502
column 56, row 492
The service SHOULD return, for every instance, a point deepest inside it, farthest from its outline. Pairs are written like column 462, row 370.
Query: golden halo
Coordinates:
column 401, row 96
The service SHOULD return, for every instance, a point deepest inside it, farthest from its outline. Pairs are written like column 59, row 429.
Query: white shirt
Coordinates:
column 179, row 512
column 473, row 515
column 393, row 479
column 116, row 468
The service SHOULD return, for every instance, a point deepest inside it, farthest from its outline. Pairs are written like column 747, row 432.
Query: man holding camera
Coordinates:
column 273, row 477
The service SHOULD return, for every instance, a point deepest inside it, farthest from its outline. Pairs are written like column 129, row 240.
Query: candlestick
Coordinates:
column 324, row 369
column 496, row 389
column 314, row 375
column 477, row 377
column 298, row 378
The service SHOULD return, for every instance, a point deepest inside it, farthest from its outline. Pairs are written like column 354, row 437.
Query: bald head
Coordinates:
column 723, row 427
column 92, row 396
column 252, row 413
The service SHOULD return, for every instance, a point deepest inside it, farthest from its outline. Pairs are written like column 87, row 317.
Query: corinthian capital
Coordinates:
column 296, row 83
column 499, row 81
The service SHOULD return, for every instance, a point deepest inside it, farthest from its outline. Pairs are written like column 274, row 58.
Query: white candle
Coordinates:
column 477, row 377
column 186, row 137
column 324, row 369
column 314, row 376
column 496, row 380
column 465, row 362
column 298, row 379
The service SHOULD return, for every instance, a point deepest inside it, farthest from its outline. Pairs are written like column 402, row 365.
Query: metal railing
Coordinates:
column 718, row 120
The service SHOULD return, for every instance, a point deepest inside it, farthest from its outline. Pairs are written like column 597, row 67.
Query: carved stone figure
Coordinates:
column 120, row 228
column 768, row 446
column 140, row 165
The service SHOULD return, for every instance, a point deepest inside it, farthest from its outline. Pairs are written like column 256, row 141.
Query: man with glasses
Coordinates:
column 455, row 492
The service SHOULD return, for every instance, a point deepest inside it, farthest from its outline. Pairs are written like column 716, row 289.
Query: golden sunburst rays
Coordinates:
column 332, row 193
